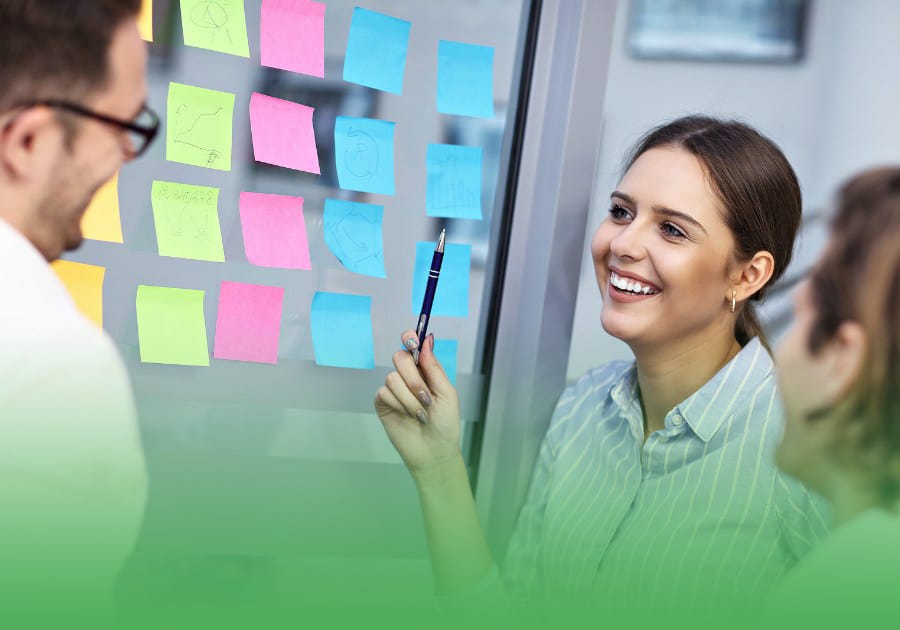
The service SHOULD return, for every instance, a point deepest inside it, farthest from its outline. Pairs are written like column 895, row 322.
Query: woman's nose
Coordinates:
column 629, row 242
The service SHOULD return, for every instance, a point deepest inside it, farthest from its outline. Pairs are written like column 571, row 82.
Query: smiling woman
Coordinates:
column 655, row 492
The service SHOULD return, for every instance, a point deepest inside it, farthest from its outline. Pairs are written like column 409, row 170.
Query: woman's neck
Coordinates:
column 669, row 375
column 850, row 495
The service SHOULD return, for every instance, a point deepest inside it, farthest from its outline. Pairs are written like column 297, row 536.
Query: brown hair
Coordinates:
column 755, row 184
column 56, row 49
column 858, row 279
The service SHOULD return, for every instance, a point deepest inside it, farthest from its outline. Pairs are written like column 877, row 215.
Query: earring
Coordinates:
column 733, row 296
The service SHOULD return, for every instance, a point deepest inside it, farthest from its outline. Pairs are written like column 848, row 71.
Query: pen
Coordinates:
column 428, row 300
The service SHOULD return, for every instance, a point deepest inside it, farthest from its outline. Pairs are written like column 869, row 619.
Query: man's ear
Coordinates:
column 752, row 276
column 26, row 140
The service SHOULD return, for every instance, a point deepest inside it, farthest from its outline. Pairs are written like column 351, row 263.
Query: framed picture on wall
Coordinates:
column 764, row 31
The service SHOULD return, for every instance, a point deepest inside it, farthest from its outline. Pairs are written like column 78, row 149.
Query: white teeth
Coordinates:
column 632, row 286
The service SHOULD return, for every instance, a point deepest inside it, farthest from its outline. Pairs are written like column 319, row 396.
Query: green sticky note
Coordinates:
column 187, row 221
column 171, row 326
column 199, row 128
column 219, row 25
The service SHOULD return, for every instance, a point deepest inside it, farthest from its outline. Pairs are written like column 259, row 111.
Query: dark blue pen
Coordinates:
column 428, row 300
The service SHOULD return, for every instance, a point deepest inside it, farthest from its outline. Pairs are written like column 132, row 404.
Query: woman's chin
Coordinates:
column 615, row 328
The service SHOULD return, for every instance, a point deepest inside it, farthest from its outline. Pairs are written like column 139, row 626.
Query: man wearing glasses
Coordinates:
column 72, row 474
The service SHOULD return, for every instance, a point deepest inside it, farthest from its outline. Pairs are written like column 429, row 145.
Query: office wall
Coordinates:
column 831, row 113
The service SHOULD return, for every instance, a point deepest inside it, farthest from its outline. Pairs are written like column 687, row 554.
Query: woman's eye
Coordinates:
column 670, row 230
column 618, row 212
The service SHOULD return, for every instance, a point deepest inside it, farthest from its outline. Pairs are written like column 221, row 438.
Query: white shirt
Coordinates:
column 72, row 476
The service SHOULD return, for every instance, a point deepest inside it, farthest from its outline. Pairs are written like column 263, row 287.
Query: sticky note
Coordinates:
column 248, row 324
column 465, row 79
column 187, row 221
column 199, row 126
column 292, row 36
column 452, row 296
column 171, row 327
column 219, row 25
column 353, row 234
column 102, row 221
column 85, row 285
column 364, row 154
column 454, row 181
column 446, row 350
column 376, row 51
column 145, row 20
column 283, row 133
column 274, row 230
column 341, row 327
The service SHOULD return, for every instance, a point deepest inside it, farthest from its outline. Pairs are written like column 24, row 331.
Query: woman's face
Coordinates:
column 663, row 254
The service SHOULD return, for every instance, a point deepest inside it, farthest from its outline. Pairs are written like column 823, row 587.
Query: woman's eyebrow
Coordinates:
column 675, row 214
column 669, row 212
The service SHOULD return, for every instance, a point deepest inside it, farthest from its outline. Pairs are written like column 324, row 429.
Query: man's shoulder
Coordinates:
column 51, row 351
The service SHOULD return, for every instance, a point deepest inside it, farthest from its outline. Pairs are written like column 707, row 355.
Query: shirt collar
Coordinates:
column 707, row 409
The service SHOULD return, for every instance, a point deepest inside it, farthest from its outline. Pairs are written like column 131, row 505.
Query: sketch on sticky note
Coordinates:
column 355, row 239
column 452, row 190
column 361, row 155
column 197, row 131
column 213, row 17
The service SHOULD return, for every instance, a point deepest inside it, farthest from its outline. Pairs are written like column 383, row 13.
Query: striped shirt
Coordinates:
column 696, row 514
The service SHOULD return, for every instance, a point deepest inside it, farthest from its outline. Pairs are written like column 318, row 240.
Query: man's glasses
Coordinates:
column 141, row 130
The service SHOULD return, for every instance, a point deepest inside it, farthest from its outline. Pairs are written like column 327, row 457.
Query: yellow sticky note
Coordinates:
column 145, row 20
column 85, row 283
column 101, row 221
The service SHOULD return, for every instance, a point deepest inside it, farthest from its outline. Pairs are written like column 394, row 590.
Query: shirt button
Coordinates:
column 677, row 421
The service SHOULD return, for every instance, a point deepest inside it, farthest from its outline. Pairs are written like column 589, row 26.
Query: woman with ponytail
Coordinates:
column 655, row 490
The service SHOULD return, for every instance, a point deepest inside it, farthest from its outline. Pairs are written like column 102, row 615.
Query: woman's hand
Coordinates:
column 419, row 409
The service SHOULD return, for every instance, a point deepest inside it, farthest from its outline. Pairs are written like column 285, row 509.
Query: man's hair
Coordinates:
column 57, row 49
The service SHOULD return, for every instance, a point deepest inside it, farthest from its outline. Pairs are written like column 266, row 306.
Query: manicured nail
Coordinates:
column 424, row 398
column 412, row 343
column 421, row 416
column 431, row 341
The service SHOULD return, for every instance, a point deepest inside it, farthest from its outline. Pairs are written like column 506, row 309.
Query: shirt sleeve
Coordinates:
column 515, row 591
column 72, row 472
column 803, row 516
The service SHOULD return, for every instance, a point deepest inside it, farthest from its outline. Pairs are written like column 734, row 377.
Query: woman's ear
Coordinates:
column 842, row 359
column 752, row 275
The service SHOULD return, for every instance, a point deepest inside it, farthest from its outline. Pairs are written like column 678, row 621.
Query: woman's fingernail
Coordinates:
column 412, row 343
column 421, row 416
column 431, row 341
column 424, row 398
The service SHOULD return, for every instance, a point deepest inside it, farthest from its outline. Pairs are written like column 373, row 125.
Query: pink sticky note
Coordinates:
column 292, row 36
column 274, row 231
column 283, row 133
column 249, row 322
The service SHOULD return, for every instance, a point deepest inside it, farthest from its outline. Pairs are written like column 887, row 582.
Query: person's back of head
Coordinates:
column 858, row 280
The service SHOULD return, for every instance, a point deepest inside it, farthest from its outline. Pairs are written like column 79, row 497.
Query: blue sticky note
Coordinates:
column 376, row 51
column 454, row 181
column 353, row 234
column 446, row 350
column 341, row 327
column 364, row 154
column 452, row 296
column 465, row 79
